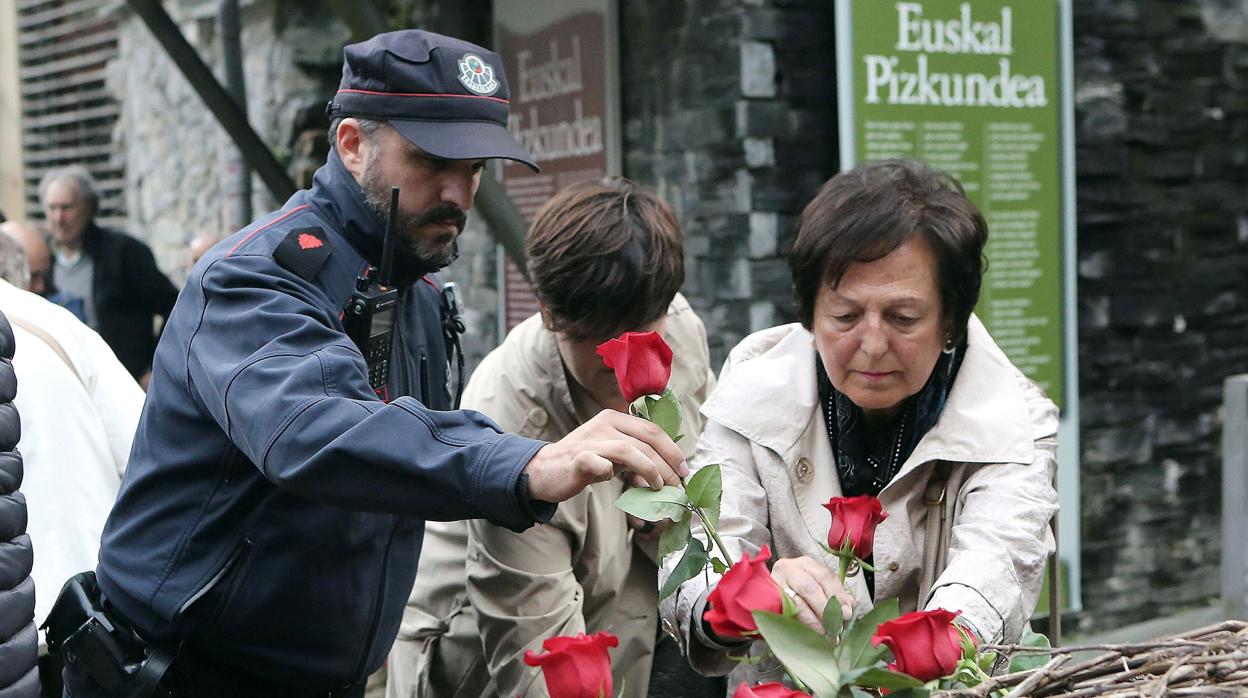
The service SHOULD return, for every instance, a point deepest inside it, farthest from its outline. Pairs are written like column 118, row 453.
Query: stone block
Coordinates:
column 759, row 152
column 762, row 316
column 1123, row 444
column 764, row 234
column 762, row 119
column 1146, row 308
column 758, row 69
column 762, row 24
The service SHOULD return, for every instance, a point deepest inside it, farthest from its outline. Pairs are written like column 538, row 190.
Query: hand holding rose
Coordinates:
column 608, row 444
column 813, row 585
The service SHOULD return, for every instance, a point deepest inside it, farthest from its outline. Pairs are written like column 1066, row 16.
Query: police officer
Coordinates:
column 268, row 528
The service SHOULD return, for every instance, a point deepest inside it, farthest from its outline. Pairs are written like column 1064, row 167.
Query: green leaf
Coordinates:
column 675, row 536
column 833, row 619
column 805, row 654
column 857, row 649
column 719, row 565
column 665, row 412
column 649, row 505
column 704, row 490
column 1023, row 662
column 691, row 563
column 986, row 660
column 875, row 677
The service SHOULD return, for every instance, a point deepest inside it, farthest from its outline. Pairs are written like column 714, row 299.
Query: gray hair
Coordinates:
column 87, row 187
column 368, row 128
column 13, row 267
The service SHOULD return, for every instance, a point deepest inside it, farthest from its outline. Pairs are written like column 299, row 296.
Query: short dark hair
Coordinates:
column 605, row 257
column 866, row 213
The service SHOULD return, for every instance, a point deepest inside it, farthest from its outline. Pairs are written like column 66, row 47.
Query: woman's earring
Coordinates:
column 949, row 345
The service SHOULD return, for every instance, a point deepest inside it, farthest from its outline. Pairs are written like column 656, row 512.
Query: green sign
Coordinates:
column 972, row 88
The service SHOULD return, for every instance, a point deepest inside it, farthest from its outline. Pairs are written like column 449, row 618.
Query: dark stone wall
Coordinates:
column 1162, row 160
column 729, row 111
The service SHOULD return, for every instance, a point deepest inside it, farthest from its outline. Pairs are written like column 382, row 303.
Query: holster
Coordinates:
column 80, row 629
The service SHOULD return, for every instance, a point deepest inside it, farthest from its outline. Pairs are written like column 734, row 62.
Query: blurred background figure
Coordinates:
column 79, row 410
column 199, row 245
column 38, row 256
column 107, row 278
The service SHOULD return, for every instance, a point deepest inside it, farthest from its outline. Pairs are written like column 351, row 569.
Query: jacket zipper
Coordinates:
column 424, row 378
column 370, row 632
column 216, row 578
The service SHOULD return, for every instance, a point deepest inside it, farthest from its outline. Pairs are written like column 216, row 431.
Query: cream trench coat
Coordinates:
column 484, row 594
column 766, row 429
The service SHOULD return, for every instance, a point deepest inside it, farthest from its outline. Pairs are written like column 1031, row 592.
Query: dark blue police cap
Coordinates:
column 447, row 96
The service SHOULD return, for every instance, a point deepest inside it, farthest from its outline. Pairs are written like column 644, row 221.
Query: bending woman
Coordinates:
column 889, row 386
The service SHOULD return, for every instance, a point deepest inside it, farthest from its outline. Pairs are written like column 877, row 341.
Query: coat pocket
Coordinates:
column 212, row 599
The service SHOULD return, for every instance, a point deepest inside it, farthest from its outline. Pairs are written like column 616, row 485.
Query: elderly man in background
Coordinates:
column 108, row 278
column 79, row 409
column 38, row 256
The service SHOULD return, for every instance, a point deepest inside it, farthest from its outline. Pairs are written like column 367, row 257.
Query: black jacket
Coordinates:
column 19, row 644
column 128, row 291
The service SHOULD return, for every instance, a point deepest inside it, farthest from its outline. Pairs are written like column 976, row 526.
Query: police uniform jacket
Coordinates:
column 272, row 511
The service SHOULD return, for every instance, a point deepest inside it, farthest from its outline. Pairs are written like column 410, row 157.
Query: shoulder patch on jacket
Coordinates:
column 304, row 251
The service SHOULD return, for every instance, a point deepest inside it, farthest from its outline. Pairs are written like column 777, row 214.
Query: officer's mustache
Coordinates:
column 443, row 213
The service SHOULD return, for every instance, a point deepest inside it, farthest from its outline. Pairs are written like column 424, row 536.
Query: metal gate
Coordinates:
column 68, row 114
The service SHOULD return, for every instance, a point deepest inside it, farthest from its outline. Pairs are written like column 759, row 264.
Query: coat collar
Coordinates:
column 769, row 395
column 536, row 369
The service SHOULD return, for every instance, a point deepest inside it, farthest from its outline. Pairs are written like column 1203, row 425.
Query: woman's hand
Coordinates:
column 810, row 585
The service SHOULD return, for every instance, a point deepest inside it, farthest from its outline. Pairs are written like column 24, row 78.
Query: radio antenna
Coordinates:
column 387, row 247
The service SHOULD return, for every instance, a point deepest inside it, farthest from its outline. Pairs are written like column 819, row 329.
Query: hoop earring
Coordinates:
column 949, row 346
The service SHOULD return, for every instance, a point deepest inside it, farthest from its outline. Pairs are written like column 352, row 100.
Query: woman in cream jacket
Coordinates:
column 889, row 386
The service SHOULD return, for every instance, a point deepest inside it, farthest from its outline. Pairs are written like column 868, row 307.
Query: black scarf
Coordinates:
column 869, row 457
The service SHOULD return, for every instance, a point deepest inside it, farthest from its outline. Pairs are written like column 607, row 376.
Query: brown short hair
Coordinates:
column 866, row 213
column 605, row 257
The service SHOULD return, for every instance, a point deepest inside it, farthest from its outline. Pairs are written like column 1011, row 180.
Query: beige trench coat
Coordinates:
column 998, row 432
column 485, row 594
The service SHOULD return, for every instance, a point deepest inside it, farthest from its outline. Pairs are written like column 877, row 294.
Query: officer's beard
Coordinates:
column 412, row 251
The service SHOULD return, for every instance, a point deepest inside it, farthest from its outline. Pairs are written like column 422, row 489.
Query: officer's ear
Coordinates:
column 352, row 147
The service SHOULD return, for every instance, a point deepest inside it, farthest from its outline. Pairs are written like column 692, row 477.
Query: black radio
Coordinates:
column 369, row 316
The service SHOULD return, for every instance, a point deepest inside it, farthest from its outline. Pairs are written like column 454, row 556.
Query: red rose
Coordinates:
column 642, row 362
column 576, row 667
column 768, row 690
column 747, row 586
column 854, row 519
column 924, row 643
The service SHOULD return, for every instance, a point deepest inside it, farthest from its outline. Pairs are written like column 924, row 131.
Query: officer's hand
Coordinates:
column 609, row 444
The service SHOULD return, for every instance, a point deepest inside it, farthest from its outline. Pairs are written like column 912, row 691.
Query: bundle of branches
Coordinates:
column 1211, row 661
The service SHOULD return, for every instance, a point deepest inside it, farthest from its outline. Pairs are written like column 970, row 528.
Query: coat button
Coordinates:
column 804, row 470
column 669, row 629
column 537, row 417
column 894, row 566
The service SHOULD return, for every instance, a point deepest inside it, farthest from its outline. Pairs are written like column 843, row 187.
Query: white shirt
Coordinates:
column 76, row 435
